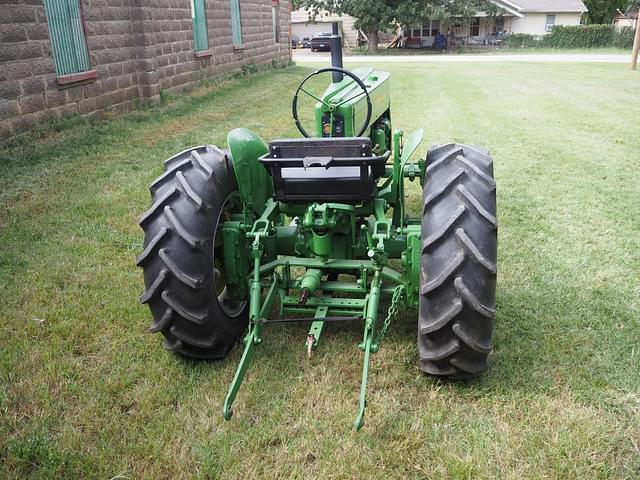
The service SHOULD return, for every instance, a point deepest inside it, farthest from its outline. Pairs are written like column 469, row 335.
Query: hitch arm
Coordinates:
column 256, row 313
column 367, row 341
column 250, row 342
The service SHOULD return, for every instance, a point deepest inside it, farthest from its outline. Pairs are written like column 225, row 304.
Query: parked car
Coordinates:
column 295, row 42
column 306, row 42
column 321, row 42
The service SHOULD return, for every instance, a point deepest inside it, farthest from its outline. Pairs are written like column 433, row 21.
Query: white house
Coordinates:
column 628, row 19
column 302, row 26
column 534, row 17
column 537, row 17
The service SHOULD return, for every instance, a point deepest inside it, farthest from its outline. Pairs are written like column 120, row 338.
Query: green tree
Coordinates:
column 375, row 15
column 603, row 11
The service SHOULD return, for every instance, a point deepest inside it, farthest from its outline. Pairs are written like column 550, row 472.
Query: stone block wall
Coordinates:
column 137, row 49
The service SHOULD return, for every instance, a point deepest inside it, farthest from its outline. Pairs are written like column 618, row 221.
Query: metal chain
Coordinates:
column 392, row 313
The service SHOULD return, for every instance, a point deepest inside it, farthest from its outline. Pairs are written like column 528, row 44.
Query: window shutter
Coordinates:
column 275, row 17
column 199, row 17
column 236, row 25
column 66, row 32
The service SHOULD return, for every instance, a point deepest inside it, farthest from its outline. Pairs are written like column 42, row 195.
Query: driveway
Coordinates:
column 303, row 56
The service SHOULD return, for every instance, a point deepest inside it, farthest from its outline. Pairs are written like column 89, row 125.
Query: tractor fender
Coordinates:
column 411, row 144
column 254, row 183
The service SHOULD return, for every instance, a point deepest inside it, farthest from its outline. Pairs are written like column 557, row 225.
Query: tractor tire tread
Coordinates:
column 168, row 175
column 458, row 262
column 158, row 203
column 186, row 189
column 177, row 255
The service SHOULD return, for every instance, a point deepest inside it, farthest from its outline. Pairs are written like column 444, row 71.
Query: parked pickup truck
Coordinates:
column 321, row 42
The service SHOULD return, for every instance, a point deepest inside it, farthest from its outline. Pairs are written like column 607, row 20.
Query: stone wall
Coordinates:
column 137, row 48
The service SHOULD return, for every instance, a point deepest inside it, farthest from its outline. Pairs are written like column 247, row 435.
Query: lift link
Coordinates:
column 366, row 345
column 257, row 312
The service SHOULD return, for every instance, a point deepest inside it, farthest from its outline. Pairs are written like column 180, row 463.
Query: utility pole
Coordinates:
column 636, row 44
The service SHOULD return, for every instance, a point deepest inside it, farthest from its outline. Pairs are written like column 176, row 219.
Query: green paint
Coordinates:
column 250, row 342
column 236, row 259
column 369, row 328
column 411, row 265
column 410, row 146
column 311, row 280
column 316, row 327
column 254, row 184
column 236, row 23
column 347, row 100
column 199, row 19
column 331, row 302
column 256, row 311
column 290, row 260
column 66, row 32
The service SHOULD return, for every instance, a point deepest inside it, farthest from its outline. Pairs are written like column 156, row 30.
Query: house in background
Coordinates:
column 627, row 19
column 538, row 17
column 304, row 26
column 62, row 57
column 533, row 17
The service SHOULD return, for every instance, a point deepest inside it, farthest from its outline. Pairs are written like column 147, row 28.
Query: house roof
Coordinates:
column 632, row 15
column 558, row 6
column 507, row 6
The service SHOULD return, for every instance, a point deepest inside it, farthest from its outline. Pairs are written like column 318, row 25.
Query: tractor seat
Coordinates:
column 324, row 169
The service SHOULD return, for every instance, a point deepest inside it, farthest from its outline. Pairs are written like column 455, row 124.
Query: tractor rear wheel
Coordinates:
column 182, row 255
column 458, row 262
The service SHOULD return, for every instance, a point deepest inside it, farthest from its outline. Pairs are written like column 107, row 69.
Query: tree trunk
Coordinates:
column 372, row 33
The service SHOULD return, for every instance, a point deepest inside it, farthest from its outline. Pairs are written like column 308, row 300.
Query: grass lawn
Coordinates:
column 87, row 392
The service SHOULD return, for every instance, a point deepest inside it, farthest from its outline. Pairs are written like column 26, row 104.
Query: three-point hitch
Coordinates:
column 316, row 230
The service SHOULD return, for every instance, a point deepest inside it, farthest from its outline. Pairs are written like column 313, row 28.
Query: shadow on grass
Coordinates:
column 65, row 138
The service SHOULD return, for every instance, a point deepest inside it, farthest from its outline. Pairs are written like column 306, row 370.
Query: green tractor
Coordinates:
column 315, row 229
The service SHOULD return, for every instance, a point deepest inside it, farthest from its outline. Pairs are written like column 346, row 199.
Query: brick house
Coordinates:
column 61, row 57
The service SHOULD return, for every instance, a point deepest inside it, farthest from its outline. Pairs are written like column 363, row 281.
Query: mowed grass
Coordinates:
column 87, row 392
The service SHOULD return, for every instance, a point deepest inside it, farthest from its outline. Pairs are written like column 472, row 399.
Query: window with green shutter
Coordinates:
column 66, row 31
column 199, row 17
column 236, row 24
column 275, row 16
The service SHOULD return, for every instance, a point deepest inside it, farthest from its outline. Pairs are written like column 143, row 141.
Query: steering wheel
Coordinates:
column 330, row 107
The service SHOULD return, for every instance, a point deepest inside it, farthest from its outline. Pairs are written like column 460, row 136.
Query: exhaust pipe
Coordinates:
column 336, row 52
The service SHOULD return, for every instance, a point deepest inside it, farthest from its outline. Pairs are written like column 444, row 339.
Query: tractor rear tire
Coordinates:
column 185, row 293
column 458, row 262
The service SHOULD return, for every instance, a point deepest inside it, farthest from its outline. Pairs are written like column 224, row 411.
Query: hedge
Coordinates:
column 575, row 36
column 522, row 40
column 623, row 38
column 580, row 36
